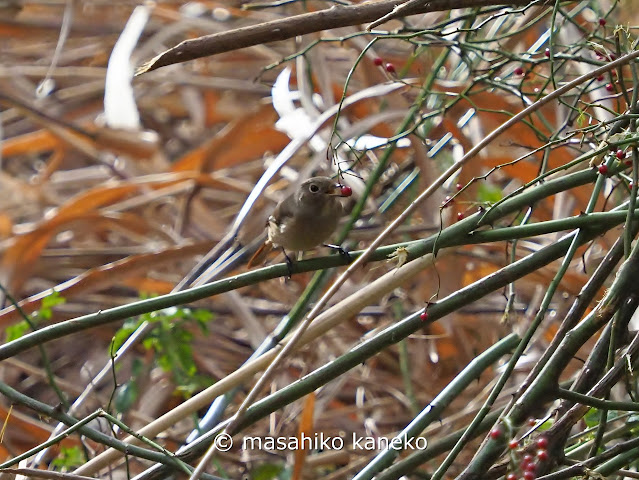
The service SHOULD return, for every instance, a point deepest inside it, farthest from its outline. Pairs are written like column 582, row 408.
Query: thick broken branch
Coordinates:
column 285, row 28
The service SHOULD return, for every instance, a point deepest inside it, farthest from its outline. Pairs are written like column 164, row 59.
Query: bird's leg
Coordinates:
column 341, row 250
column 289, row 263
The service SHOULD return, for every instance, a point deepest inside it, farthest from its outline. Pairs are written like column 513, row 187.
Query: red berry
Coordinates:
column 448, row 201
column 620, row 154
column 511, row 476
column 628, row 163
column 542, row 443
column 346, row 191
column 495, row 433
column 424, row 316
column 547, row 53
column 528, row 458
column 542, row 455
column 459, row 186
column 610, row 87
column 378, row 62
column 460, row 215
column 513, row 444
column 519, row 71
column 630, row 185
column 530, row 467
column 532, row 422
column 390, row 68
column 600, row 78
column 529, row 475
column 603, row 169
column 602, row 22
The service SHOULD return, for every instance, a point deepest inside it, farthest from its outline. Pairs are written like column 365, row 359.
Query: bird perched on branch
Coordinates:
column 304, row 219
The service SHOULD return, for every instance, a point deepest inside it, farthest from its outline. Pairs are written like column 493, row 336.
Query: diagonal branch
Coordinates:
column 290, row 27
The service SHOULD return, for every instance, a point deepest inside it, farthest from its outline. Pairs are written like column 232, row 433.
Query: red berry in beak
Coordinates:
column 346, row 191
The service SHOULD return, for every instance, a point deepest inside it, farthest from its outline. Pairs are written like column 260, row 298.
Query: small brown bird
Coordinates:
column 304, row 219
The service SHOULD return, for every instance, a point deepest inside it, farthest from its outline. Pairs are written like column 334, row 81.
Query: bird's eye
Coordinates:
column 314, row 188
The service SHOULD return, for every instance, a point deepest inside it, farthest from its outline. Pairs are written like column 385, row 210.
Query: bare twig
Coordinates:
column 48, row 474
column 397, row 12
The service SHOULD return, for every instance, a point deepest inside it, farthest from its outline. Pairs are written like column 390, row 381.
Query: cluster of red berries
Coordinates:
column 529, row 463
column 389, row 67
column 609, row 86
column 448, row 201
column 621, row 155
column 520, row 70
column 609, row 57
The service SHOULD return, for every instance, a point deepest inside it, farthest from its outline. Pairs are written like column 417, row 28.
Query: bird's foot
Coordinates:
column 289, row 263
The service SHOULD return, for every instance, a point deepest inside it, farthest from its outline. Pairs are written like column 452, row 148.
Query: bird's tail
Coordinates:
column 259, row 257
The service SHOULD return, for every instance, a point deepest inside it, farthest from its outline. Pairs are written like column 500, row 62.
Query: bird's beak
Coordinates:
column 340, row 190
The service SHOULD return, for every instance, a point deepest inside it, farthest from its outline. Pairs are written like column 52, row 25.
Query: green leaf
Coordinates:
column 149, row 343
column 170, row 341
column 16, row 331
column 592, row 418
column 267, row 471
column 48, row 302
column 487, row 193
column 53, row 300
column 164, row 361
column 126, row 396
column 123, row 333
column 68, row 458
column 202, row 316
column 582, row 118
column 185, row 355
column 137, row 367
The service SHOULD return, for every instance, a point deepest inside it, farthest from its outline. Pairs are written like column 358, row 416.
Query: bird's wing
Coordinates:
column 285, row 209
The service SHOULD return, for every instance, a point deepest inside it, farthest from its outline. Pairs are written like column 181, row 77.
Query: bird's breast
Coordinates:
column 303, row 232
